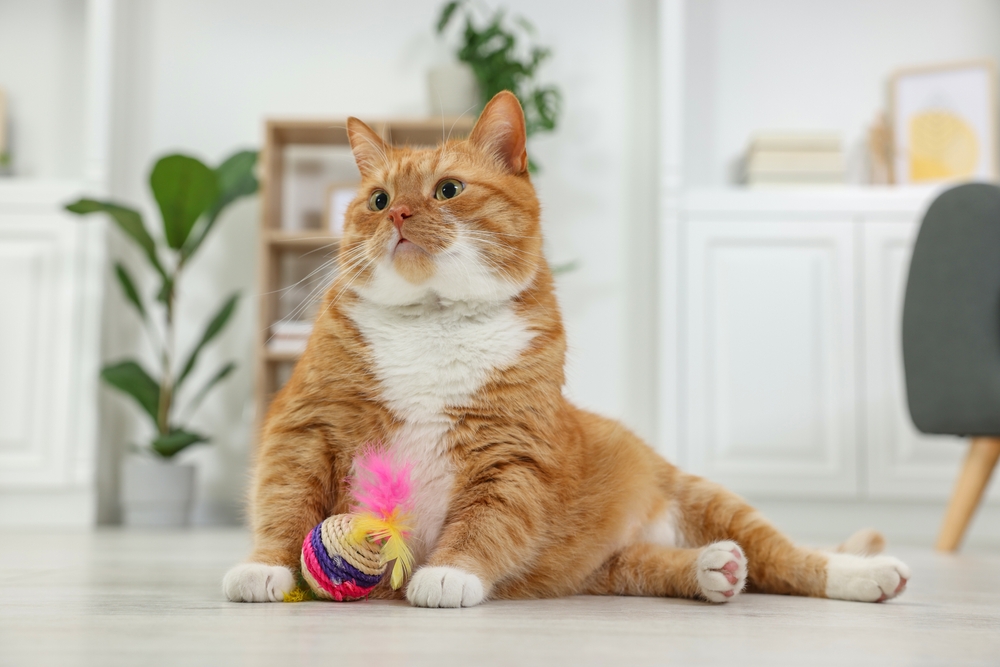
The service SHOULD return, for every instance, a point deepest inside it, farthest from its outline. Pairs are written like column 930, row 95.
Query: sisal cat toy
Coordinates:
column 345, row 556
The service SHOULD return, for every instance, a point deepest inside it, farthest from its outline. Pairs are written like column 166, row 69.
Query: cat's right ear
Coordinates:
column 368, row 148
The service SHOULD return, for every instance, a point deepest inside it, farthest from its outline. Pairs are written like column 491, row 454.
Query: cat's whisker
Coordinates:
column 295, row 314
column 500, row 249
column 465, row 250
column 490, row 236
column 325, row 265
column 322, row 285
column 344, row 289
column 322, row 247
column 362, row 262
column 497, row 235
column 457, row 118
column 506, row 234
column 330, row 264
column 481, row 260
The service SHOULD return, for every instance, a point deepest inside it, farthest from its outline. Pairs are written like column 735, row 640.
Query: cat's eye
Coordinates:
column 378, row 201
column 448, row 189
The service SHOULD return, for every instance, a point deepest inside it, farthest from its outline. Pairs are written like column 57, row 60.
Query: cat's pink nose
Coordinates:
column 398, row 214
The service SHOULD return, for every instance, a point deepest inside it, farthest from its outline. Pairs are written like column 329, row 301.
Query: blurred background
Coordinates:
column 730, row 188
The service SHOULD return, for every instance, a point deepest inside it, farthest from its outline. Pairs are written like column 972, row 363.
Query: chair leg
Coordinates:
column 972, row 481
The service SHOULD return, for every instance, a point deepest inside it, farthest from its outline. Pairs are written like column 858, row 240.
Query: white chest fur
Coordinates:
column 428, row 357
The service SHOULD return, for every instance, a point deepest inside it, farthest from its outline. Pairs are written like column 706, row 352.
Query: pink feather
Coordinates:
column 381, row 482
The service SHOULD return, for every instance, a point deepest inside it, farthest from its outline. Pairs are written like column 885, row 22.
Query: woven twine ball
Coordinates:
column 337, row 568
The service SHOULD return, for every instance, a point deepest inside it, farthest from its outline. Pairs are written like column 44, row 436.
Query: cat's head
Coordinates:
column 459, row 222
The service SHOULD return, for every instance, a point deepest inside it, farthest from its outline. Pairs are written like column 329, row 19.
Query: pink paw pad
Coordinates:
column 722, row 571
column 899, row 589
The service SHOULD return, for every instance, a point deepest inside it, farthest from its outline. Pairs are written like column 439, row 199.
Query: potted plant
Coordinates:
column 501, row 57
column 191, row 197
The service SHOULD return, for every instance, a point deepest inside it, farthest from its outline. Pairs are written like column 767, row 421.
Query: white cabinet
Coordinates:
column 49, row 325
column 790, row 382
column 770, row 335
column 901, row 461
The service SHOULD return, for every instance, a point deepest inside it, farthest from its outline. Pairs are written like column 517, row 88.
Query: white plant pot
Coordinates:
column 156, row 493
column 453, row 89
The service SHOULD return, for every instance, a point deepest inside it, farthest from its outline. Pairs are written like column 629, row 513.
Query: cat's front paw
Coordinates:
column 444, row 587
column 862, row 579
column 722, row 571
column 257, row 582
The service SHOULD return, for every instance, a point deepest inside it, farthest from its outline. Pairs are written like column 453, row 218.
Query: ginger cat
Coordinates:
column 441, row 336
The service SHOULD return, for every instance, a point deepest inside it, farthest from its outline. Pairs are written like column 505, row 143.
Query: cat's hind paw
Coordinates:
column 865, row 542
column 444, row 587
column 722, row 571
column 874, row 579
column 257, row 582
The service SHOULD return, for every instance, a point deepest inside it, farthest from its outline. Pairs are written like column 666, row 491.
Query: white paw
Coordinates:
column 722, row 571
column 256, row 582
column 865, row 579
column 444, row 587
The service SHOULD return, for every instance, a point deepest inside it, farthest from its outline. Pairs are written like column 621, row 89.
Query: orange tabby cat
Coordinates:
column 442, row 336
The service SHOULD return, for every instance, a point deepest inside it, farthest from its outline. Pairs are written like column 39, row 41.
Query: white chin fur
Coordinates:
column 460, row 275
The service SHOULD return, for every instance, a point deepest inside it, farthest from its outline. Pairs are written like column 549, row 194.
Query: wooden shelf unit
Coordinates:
column 276, row 240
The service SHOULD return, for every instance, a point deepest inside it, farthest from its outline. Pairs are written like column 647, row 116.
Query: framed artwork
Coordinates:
column 944, row 123
column 338, row 198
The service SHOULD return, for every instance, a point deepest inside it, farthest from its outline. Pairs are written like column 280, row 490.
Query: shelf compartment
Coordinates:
column 307, row 240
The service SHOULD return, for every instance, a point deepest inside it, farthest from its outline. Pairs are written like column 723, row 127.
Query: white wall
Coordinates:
column 810, row 64
column 201, row 76
column 41, row 68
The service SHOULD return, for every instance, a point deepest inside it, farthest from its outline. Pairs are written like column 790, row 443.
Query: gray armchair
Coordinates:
column 951, row 338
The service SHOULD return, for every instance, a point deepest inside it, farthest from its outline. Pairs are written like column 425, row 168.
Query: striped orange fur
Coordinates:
column 442, row 334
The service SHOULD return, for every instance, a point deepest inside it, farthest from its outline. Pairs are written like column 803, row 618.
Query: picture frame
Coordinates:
column 944, row 123
column 338, row 197
column 307, row 172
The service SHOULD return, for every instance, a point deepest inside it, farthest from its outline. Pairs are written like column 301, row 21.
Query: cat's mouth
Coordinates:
column 406, row 245
column 412, row 261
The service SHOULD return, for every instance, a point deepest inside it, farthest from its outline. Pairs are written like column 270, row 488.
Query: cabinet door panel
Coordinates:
column 771, row 356
column 902, row 462
column 37, row 337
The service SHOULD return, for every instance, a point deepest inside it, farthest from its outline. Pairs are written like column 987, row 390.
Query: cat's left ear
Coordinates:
column 500, row 132
column 368, row 148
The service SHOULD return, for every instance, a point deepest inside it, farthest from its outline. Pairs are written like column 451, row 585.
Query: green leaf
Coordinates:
column 174, row 442
column 166, row 287
column 131, row 378
column 213, row 329
column 216, row 379
column 184, row 188
column 446, row 15
column 525, row 24
column 236, row 179
column 128, row 286
column 128, row 220
column 500, row 53
column 565, row 268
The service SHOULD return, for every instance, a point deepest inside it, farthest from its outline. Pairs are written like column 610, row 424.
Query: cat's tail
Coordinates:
column 865, row 542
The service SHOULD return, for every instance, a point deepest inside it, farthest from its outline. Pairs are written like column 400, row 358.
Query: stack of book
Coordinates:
column 289, row 337
column 794, row 159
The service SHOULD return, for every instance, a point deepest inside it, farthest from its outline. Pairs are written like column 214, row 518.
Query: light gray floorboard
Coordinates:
column 116, row 597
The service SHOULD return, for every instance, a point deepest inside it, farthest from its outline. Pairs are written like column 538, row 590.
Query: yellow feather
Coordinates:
column 390, row 531
column 295, row 595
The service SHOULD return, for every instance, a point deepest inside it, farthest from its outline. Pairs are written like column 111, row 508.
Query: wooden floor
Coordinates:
column 127, row 598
